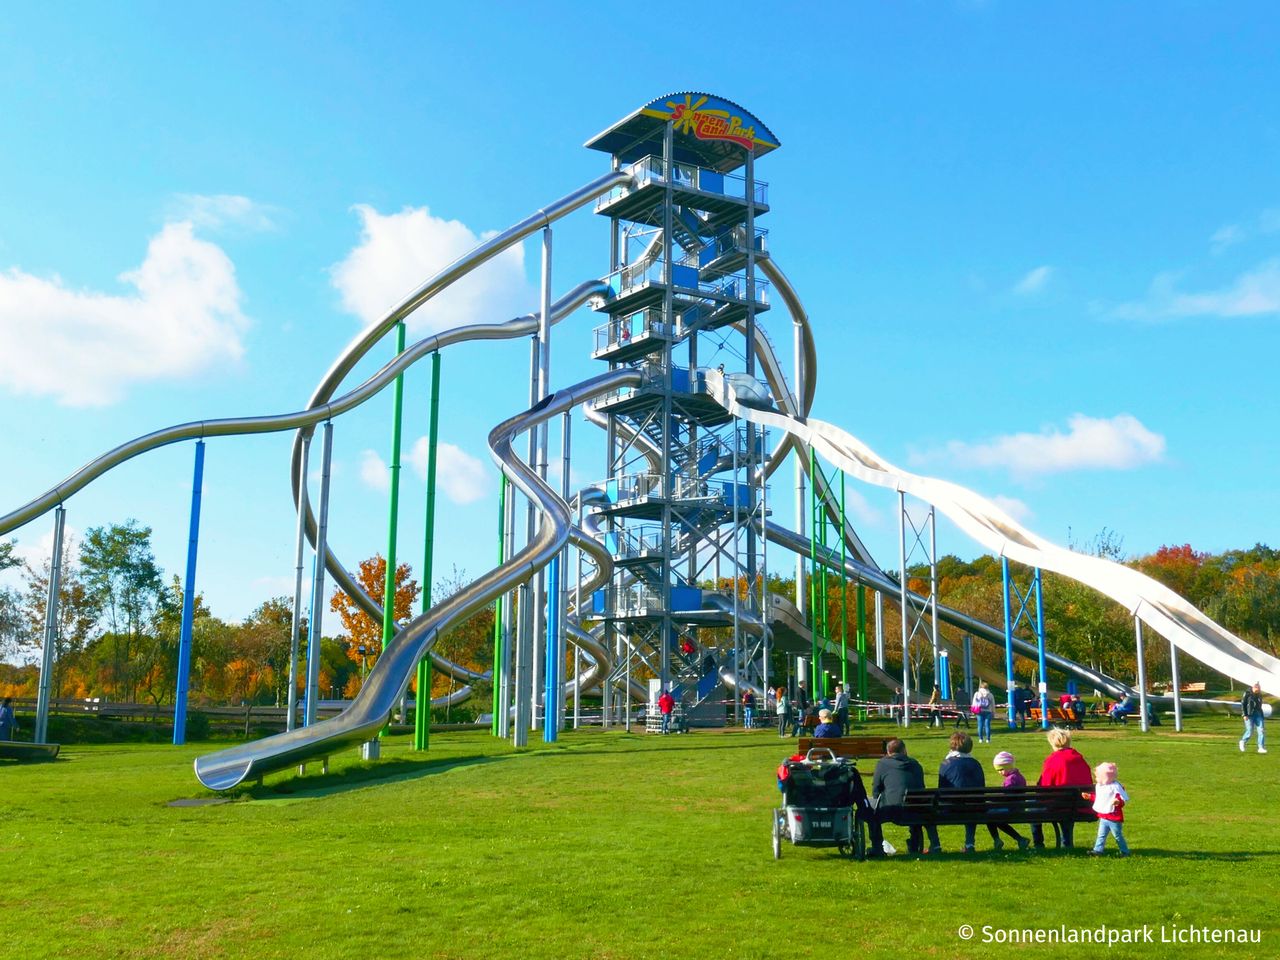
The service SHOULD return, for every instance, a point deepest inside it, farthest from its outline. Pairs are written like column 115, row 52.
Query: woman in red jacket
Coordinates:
column 1064, row 767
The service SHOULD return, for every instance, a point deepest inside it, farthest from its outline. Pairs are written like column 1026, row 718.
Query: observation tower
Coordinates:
column 683, row 498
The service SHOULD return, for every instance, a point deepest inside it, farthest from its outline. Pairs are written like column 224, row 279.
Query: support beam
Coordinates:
column 300, row 547
column 1142, row 674
column 50, row 645
column 1176, row 680
column 188, row 603
column 316, row 620
column 422, row 695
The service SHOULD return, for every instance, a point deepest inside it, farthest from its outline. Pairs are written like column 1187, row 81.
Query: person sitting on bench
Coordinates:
column 1064, row 767
column 959, row 771
column 827, row 727
column 895, row 774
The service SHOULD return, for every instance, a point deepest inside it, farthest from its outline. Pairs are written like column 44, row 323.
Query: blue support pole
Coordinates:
column 1008, row 639
column 551, row 672
column 188, row 605
column 1044, row 670
column 944, row 675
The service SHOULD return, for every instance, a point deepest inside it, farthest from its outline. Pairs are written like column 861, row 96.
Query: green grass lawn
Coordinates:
column 604, row 845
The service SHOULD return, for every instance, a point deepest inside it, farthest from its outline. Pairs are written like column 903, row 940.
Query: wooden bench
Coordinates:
column 850, row 748
column 937, row 808
column 21, row 750
column 1058, row 715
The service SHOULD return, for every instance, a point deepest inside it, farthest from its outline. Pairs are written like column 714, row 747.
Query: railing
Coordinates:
column 731, row 241
column 686, row 176
column 685, row 277
column 622, row 330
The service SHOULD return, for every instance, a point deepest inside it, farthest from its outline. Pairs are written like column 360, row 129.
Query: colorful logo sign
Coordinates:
column 708, row 120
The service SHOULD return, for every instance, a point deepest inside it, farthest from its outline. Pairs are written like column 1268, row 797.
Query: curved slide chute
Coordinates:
column 1152, row 602
column 393, row 671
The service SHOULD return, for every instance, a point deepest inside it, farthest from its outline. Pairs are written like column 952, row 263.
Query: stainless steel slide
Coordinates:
column 1155, row 604
column 391, row 674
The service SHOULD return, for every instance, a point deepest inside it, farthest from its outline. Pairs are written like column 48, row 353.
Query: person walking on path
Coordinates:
column 984, row 705
column 666, row 704
column 1012, row 779
column 799, row 708
column 1251, row 710
column 960, row 771
column 1064, row 767
column 8, row 720
column 1109, row 800
column 895, row 774
column 783, row 707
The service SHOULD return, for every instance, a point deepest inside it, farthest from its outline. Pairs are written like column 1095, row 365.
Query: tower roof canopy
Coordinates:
column 709, row 132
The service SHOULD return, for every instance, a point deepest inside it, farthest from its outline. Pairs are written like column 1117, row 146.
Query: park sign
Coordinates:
column 709, row 118
column 708, row 131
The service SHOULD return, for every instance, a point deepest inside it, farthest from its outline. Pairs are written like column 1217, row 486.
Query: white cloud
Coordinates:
column 461, row 476
column 1089, row 443
column 1225, row 237
column 1252, row 294
column 374, row 472
column 86, row 348
column 859, row 508
column 399, row 251
column 1013, row 507
column 1034, row 281
column 222, row 210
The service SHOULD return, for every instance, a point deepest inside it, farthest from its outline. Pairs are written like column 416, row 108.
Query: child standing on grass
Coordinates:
column 1012, row 778
column 1109, row 799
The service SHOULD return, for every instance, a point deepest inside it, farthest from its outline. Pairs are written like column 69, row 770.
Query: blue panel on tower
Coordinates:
column 683, row 276
column 686, row 598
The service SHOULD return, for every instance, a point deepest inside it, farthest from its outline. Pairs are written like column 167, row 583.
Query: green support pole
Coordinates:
column 422, row 716
column 862, row 647
column 389, row 588
column 497, row 609
column 813, row 571
column 844, row 599
column 826, row 587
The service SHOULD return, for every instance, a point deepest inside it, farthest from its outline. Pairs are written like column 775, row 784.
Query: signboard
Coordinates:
column 709, row 118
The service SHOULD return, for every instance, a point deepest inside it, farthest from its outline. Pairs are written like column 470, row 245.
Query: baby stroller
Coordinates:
column 819, row 793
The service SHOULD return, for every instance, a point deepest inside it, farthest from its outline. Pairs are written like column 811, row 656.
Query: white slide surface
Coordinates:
column 1150, row 601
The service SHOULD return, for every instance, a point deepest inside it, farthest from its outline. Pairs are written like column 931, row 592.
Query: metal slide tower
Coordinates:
column 684, row 497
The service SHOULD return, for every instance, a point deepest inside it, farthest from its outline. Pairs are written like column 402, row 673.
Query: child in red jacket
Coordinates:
column 1109, row 799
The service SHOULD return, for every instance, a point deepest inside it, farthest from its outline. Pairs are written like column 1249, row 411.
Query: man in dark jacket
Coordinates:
column 895, row 774
column 799, row 709
column 959, row 771
column 1251, row 710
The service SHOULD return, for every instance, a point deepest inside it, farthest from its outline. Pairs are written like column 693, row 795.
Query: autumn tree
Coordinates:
column 361, row 629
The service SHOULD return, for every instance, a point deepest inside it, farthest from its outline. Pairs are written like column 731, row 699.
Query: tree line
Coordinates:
column 120, row 619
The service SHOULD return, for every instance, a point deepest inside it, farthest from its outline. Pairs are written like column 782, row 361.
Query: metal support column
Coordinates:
column 1008, row 637
column 41, row 733
column 422, row 695
column 498, row 678
column 1042, row 666
column 1142, row 674
column 295, row 627
column 393, row 513
column 316, row 620
column 906, row 610
column 1177, row 687
column 188, row 603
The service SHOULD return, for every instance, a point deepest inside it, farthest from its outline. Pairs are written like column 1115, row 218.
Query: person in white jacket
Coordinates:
column 1109, row 800
column 984, row 705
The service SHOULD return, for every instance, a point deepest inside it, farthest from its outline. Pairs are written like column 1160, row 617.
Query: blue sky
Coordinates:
column 1040, row 246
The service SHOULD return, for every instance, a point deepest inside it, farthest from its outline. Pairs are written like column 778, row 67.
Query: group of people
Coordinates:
column 796, row 713
column 897, row 773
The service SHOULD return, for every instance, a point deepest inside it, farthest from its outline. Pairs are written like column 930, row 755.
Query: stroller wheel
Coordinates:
column 777, row 836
